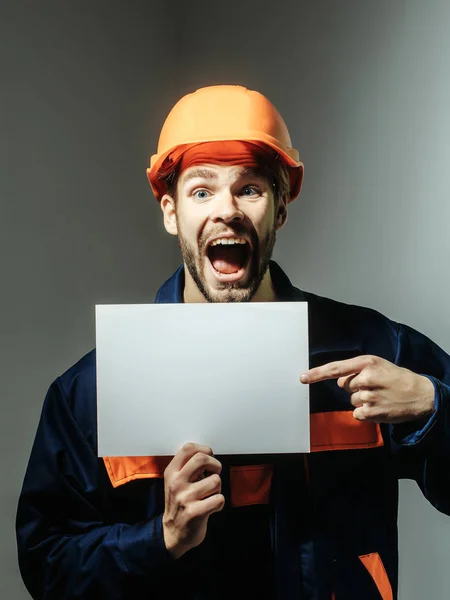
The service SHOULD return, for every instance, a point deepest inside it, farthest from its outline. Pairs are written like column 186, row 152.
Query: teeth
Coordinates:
column 228, row 241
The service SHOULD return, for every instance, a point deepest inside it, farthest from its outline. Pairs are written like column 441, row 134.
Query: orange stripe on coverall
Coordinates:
column 374, row 565
column 250, row 484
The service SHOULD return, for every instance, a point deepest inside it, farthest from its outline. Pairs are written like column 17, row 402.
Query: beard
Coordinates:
column 230, row 292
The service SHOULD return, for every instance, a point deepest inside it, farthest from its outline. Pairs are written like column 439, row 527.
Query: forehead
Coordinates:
column 221, row 173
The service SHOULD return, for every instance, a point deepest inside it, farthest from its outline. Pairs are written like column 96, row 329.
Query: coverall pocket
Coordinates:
column 250, row 484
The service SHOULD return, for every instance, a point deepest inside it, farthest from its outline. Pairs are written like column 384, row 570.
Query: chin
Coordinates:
column 240, row 295
column 232, row 287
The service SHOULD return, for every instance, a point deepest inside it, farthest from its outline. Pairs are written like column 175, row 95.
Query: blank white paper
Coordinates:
column 224, row 375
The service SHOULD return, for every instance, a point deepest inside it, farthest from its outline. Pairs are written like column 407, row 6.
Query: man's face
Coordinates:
column 226, row 224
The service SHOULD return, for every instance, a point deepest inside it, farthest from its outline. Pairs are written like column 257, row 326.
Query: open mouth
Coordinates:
column 229, row 257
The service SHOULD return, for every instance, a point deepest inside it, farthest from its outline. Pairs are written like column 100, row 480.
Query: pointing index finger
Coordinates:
column 334, row 370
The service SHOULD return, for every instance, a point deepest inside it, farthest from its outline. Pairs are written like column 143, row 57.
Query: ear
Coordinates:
column 281, row 217
column 170, row 215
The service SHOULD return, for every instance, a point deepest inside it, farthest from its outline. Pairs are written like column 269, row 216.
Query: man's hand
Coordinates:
column 192, row 487
column 380, row 391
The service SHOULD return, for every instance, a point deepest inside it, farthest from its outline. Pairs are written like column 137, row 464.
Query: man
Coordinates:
column 317, row 526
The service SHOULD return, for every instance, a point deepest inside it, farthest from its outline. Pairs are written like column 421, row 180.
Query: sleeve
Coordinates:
column 67, row 549
column 422, row 449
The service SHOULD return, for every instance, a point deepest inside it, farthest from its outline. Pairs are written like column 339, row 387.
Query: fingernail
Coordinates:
column 304, row 378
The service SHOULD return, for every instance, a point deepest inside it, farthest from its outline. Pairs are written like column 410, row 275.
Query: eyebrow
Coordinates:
column 200, row 172
column 257, row 172
column 208, row 174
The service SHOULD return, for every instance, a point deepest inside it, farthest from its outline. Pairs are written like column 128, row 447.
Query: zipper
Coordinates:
column 308, row 504
column 333, row 595
column 307, row 475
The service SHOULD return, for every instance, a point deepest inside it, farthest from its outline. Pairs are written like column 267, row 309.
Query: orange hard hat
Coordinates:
column 223, row 113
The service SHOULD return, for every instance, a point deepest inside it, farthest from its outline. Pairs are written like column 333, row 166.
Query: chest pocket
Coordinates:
column 250, row 484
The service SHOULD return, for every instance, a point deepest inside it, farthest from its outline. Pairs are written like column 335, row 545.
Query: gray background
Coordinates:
column 364, row 87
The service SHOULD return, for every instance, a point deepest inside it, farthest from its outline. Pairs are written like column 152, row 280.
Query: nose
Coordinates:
column 226, row 209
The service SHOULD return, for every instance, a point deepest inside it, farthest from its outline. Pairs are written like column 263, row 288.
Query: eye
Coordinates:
column 251, row 191
column 201, row 194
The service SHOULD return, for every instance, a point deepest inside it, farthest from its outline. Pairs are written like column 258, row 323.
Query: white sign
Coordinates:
column 222, row 374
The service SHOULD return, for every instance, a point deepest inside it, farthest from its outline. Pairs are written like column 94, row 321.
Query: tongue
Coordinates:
column 226, row 259
column 225, row 267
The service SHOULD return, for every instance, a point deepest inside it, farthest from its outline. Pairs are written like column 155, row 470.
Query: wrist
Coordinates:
column 173, row 546
column 426, row 407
